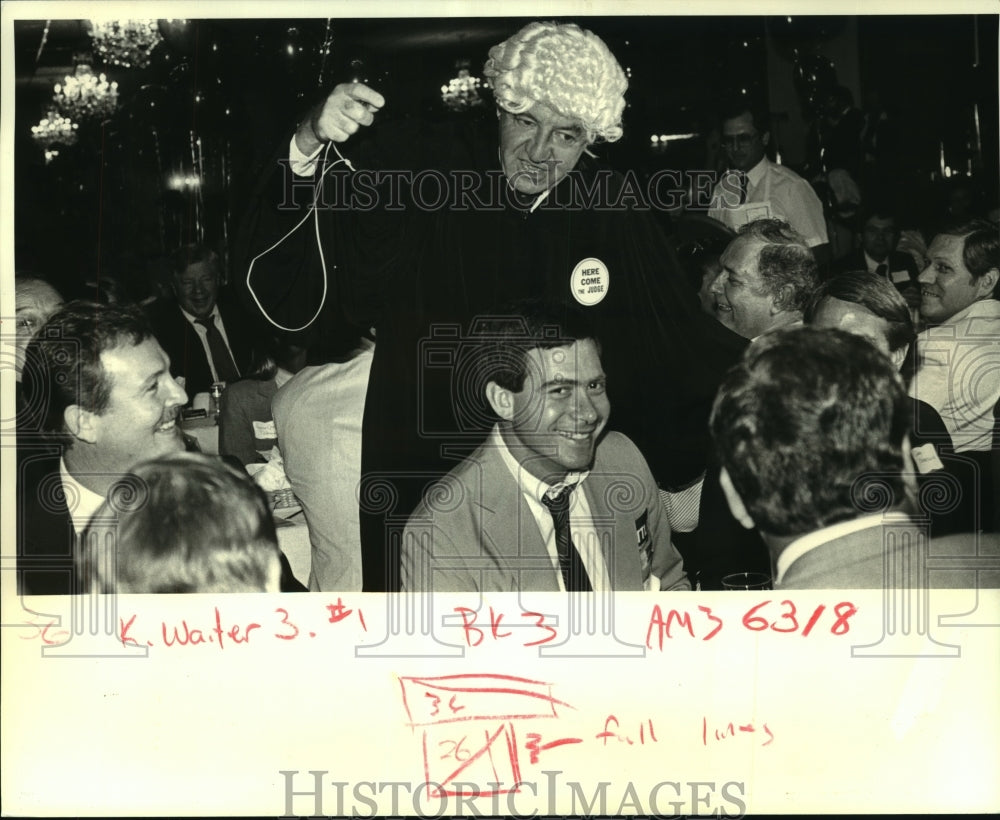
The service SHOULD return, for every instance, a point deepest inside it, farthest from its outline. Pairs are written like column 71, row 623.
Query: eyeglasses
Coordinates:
column 739, row 140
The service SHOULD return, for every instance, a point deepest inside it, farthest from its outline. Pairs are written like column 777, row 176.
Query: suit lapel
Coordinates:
column 506, row 511
column 616, row 529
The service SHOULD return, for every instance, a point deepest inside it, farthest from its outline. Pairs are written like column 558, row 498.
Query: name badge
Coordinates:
column 645, row 544
column 926, row 458
column 264, row 429
column 589, row 281
column 757, row 210
column 898, row 276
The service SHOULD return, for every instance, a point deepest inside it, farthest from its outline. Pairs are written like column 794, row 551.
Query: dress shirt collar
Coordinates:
column 529, row 484
column 796, row 323
column 872, row 264
column 81, row 502
column 983, row 308
column 192, row 319
column 800, row 546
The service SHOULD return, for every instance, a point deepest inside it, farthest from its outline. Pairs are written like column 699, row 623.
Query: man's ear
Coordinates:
column 736, row 506
column 986, row 284
column 765, row 138
column 781, row 299
column 501, row 400
column 82, row 424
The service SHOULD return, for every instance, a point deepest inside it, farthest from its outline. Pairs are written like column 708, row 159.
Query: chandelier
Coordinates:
column 127, row 43
column 54, row 129
column 462, row 92
column 85, row 95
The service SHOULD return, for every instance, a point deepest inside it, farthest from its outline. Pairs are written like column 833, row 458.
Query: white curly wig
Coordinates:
column 568, row 68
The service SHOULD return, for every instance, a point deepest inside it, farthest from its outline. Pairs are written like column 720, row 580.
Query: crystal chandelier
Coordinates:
column 54, row 129
column 127, row 43
column 462, row 92
column 86, row 95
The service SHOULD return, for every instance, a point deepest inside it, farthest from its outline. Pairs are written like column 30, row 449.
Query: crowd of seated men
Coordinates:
column 830, row 413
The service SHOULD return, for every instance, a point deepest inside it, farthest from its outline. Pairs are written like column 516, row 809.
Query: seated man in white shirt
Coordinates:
column 811, row 429
column 550, row 501
column 958, row 355
column 756, row 188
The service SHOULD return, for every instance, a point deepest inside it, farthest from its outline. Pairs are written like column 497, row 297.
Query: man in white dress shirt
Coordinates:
column 754, row 187
column 958, row 356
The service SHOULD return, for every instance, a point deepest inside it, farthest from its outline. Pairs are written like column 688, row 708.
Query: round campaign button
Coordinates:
column 590, row 281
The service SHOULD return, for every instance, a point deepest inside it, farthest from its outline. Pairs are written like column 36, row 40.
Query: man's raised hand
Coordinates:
column 349, row 106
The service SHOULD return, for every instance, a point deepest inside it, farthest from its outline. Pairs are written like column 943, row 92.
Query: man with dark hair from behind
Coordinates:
column 812, row 432
column 181, row 523
column 540, row 505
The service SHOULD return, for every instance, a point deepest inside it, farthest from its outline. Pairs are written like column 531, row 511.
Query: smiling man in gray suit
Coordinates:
column 550, row 501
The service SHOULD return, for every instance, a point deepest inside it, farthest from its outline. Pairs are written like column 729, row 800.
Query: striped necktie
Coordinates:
column 574, row 573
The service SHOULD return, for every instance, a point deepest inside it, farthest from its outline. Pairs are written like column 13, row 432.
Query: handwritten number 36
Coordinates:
column 787, row 622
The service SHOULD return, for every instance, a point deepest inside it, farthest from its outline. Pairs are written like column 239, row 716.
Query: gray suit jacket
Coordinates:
column 897, row 556
column 474, row 531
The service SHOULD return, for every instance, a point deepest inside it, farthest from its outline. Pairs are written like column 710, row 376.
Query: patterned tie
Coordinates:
column 570, row 563
column 225, row 367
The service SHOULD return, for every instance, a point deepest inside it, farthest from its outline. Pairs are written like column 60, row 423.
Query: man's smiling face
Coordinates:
column 741, row 302
column 560, row 411
column 141, row 419
column 946, row 284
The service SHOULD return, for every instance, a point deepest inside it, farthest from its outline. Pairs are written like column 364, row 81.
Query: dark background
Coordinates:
column 103, row 211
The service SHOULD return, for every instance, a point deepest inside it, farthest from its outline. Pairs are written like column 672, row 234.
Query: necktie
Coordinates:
column 882, row 270
column 570, row 563
column 225, row 367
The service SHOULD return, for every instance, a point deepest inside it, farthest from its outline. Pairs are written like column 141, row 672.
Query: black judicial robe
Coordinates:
column 423, row 272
